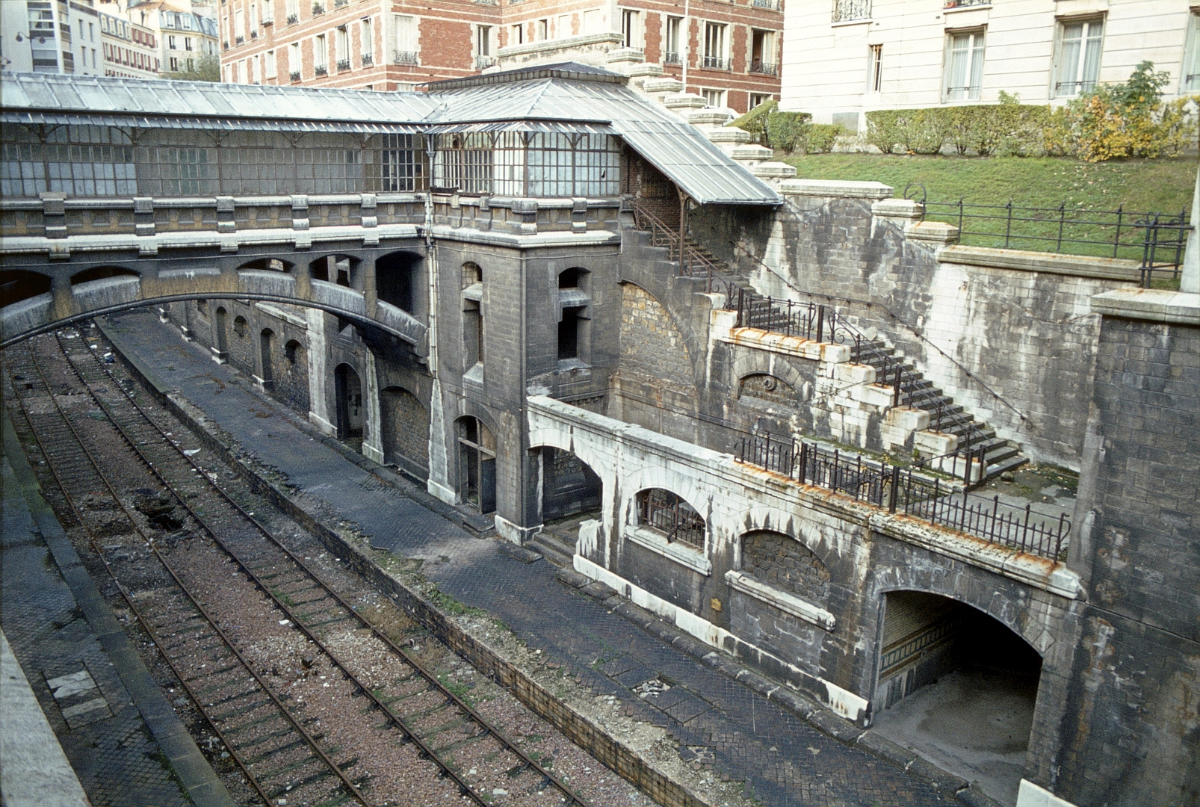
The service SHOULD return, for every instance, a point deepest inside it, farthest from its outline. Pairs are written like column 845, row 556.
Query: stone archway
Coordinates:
column 959, row 686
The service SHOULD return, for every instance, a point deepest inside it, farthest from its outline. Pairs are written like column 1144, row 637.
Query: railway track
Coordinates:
column 202, row 575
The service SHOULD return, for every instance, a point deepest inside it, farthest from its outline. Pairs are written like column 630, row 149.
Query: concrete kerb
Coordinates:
column 489, row 659
column 487, row 644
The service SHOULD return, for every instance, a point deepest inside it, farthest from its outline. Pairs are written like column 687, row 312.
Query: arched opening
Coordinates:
column 266, row 355
column 569, row 486
column 472, row 315
column 344, row 270
column 291, row 385
column 17, row 285
column 101, row 273
column 959, row 687
column 349, row 398
column 267, row 265
column 222, row 327
column 476, row 465
column 240, row 326
column 671, row 516
column 405, row 431
column 782, row 562
column 396, row 280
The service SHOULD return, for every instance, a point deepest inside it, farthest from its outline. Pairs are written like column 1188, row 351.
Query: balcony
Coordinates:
column 367, row 60
column 953, row 4
column 765, row 68
column 851, row 10
column 715, row 63
column 321, row 70
column 238, row 40
column 317, row 8
column 484, row 62
column 294, row 75
column 405, row 57
column 672, row 57
column 343, row 65
column 771, row 4
column 292, row 19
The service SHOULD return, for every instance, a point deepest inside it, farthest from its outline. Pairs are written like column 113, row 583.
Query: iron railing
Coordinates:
column 900, row 490
column 672, row 516
column 1163, row 243
column 846, row 10
column 1116, row 233
column 692, row 261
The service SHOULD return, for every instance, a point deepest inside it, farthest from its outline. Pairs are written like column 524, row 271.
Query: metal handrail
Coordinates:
column 900, row 490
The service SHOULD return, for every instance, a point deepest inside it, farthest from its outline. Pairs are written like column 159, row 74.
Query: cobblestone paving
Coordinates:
column 781, row 758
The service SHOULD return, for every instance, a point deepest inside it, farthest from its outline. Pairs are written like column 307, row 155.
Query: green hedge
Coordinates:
column 788, row 131
column 1007, row 128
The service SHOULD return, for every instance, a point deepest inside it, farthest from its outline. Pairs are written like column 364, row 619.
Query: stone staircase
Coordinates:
column 973, row 440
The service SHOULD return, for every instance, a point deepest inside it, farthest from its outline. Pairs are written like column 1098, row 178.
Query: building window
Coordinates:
column 671, row 51
column 483, row 47
column 472, row 306
column 663, row 511
column 574, row 319
column 292, row 10
column 964, row 66
column 762, row 52
column 269, row 64
column 341, row 47
column 633, row 31
column 400, row 164
column 542, row 30
column 294, row 60
column 715, row 55
column 849, row 10
column 1190, row 80
column 405, row 49
column 875, row 68
column 1078, row 56
column 516, row 35
column 366, row 43
column 758, row 98
column 320, row 54
column 714, row 98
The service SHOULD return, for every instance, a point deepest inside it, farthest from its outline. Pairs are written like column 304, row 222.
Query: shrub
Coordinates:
column 755, row 120
column 1177, row 122
column 785, row 130
column 1118, row 120
column 819, row 137
column 883, row 131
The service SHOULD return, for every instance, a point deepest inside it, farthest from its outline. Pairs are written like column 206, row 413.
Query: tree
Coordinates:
column 208, row 68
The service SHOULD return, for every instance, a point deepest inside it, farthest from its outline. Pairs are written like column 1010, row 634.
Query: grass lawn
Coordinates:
column 1158, row 186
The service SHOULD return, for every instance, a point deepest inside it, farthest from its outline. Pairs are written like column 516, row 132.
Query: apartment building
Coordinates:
column 727, row 52
column 847, row 57
column 130, row 50
column 54, row 36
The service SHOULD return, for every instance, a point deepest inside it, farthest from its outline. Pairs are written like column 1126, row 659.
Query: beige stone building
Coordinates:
column 846, row 57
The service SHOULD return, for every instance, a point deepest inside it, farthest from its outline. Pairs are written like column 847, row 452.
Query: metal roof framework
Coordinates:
column 550, row 98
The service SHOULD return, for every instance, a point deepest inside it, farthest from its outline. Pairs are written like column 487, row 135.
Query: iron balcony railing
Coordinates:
column 900, row 490
column 847, row 10
column 766, row 68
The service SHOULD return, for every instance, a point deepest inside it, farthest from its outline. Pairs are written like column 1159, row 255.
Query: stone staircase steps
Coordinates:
column 918, row 392
column 554, row 548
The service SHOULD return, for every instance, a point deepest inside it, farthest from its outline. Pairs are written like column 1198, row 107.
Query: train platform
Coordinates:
column 81, row 720
column 613, row 650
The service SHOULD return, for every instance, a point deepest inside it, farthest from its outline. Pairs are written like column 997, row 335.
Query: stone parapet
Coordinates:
column 836, row 189
column 1029, row 261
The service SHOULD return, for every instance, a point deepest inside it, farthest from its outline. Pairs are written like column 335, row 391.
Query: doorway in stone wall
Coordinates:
column 958, row 687
column 476, row 465
column 349, row 396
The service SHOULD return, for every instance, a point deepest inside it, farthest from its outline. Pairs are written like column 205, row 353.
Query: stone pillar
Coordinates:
column 1190, row 282
column 372, row 444
column 318, row 403
column 1124, row 730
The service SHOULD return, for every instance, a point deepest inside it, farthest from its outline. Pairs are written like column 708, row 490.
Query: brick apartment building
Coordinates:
column 726, row 52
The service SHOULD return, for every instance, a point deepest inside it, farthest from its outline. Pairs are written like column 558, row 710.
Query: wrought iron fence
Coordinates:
column 900, row 490
column 1154, row 239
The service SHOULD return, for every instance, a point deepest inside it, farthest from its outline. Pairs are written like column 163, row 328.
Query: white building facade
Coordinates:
column 842, row 58
column 52, row 36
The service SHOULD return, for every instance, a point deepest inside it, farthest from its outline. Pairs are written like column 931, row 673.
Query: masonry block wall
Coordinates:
column 1127, row 729
column 1006, row 334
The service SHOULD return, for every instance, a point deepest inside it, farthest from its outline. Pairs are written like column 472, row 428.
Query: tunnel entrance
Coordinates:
column 958, row 687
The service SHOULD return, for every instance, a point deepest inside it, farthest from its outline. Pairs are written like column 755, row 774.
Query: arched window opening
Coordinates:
column 239, row 326
column 101, row 273
column 266, row 353
column 670, row 515
column 293, row 351
column 569, row 487
column 472, row 308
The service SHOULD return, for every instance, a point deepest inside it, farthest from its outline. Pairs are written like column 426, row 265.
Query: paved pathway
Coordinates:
column 781, row 758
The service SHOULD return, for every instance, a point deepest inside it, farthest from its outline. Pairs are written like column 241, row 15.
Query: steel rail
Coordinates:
column 346, row 782
column 426, row 674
